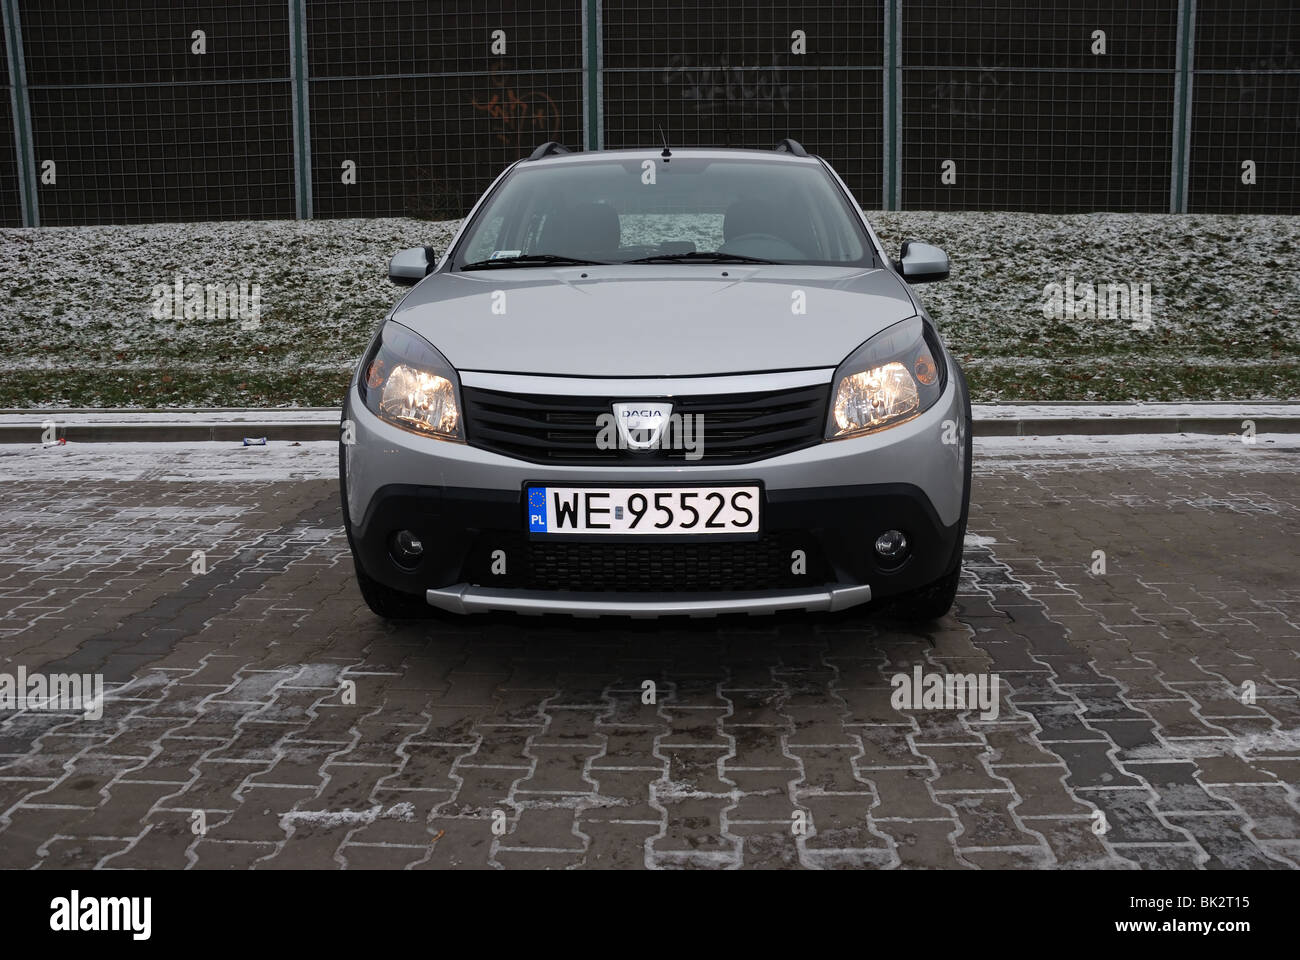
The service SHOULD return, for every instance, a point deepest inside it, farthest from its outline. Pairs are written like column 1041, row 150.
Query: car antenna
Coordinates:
column 667, row 154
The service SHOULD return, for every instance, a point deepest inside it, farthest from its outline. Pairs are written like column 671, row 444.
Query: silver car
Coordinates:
column 659, row 382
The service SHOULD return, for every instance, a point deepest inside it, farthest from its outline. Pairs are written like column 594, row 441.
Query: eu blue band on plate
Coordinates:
column 536, row 509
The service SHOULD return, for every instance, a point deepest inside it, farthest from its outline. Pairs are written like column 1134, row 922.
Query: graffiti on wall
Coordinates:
column 718, row 86
column 971, row 95
column 520, row 119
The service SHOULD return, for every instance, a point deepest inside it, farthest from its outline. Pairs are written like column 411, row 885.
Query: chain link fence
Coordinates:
column 747, row 74
column 1009, row 107
column 165, row 110
column 1245, row 108
column 416, row 106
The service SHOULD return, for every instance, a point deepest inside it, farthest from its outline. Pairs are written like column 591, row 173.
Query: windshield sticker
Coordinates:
column 502, row 254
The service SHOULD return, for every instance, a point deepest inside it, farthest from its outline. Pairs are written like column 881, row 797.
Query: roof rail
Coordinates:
column 791, row 146
column 548, row 148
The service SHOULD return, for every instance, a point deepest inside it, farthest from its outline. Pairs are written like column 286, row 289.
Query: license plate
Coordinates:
column 643, row 510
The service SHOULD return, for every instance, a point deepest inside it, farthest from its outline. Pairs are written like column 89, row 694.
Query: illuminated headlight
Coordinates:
column 890, row 379
column 408, row 383
column 874, row 398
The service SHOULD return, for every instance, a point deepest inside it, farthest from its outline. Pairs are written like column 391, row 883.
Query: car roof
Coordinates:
column 708, row 153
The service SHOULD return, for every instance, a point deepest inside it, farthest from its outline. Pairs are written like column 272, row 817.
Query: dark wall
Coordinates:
column 723, row 74
column 428, row 141
column 10, row 208
column 1246, row 106
column 1032, row 118
column 141, row 129
column 1005, row 93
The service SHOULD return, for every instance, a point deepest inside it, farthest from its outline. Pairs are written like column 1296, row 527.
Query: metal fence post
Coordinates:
column 301, row 113
column 892, row 114
column 593, row 94
column 24, row 148
column 1182, row 155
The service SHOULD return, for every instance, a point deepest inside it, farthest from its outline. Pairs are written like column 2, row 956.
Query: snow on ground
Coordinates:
column 404, row 811
column 206, row 461
column 225, row 462
column 1120, row 444
column 199, row 418
column 1066, row 410
column 1173, row 454
column 78, row 324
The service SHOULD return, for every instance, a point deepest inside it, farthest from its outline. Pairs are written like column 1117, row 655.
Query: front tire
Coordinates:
column 930, row 602
column 388, row 603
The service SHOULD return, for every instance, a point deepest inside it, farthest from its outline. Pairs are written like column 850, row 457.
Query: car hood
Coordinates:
column 652, row 320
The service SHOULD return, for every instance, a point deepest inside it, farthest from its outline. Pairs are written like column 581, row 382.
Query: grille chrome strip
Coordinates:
column 644, row 387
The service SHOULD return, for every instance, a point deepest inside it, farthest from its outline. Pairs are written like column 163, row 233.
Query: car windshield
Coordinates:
column 686, row 209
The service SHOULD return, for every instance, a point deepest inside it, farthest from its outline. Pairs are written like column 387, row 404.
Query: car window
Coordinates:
column 617, row 210
column 485, row 239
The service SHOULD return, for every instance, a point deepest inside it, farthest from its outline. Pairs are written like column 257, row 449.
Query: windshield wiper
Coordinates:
column 529, row 260
column 702, row 257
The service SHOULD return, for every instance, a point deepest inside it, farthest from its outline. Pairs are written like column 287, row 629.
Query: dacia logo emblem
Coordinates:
column 640, row 423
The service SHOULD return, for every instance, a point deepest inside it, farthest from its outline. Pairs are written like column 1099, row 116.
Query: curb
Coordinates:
column 1115, row 426
column 322, row 423
column 175, row 433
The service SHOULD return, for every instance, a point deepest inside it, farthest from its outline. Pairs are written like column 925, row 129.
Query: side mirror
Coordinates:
column 922, row 262
column 409, row 267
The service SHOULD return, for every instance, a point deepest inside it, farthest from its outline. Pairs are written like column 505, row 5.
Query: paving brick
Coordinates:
column 1120, row 693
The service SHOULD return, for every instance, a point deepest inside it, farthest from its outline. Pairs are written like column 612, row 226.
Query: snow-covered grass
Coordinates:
column 1225, row 303
column 77, row 325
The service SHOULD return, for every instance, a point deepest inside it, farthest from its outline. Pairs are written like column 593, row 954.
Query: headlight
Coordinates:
column 892, row 378
column 411, row 385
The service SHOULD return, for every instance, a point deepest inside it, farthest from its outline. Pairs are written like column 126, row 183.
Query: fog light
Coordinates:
column 406, row 548
column 891, row 545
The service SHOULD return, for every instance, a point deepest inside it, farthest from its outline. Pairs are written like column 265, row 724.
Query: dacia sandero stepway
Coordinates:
column 659, row 382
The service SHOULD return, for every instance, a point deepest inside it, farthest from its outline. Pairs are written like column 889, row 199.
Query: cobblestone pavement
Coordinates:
column 1149, row 715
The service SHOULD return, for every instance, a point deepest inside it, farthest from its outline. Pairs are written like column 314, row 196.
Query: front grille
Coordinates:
column 762, row 564
column 737, row 428
column 767, row 562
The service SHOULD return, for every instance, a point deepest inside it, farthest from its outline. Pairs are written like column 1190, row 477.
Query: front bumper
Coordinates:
column 828, row 502
column 479, row 557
